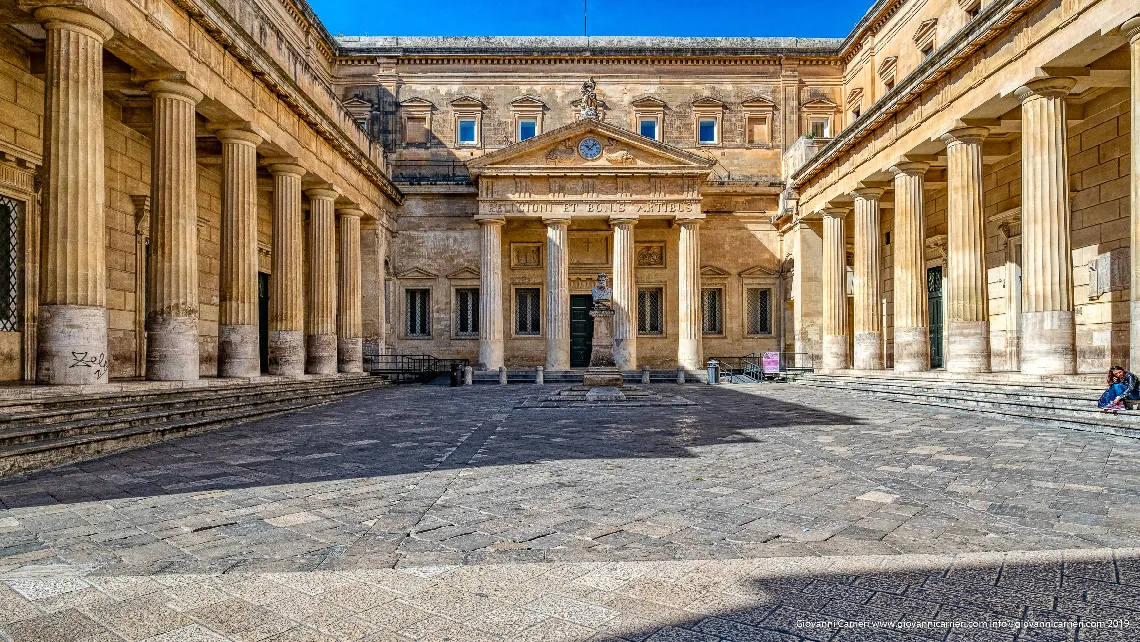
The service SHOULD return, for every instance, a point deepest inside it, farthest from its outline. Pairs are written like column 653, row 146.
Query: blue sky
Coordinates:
column 804, row 18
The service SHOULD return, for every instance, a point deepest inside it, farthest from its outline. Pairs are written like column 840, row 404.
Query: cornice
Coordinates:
column 352, row 59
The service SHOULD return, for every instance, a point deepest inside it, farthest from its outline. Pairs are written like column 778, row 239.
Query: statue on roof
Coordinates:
column 589, row 107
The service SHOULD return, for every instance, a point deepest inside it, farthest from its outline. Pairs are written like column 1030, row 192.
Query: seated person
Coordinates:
column 1121, row 385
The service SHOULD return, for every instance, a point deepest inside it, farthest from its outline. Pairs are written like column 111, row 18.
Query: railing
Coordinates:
column 411, row 368
column 427, row 172
column 750, row 367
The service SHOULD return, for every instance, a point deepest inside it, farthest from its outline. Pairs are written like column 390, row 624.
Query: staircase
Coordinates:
column 38, row 429
column 1069, row 402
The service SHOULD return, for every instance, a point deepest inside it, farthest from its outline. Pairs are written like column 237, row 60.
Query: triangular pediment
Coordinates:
column 622, row 151
column 464, row 273
column 468, row 102
column 527, row 101
column 819, row 104
column 709, row 102
column 417, row 273
column 757, row 102
column 712, row 270
column 417, row 104
column 646, row 102
column 758, row 270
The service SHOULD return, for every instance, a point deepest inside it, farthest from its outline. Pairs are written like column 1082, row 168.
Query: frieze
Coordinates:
column 17, row 178
column 651, row 254
column 588, row 207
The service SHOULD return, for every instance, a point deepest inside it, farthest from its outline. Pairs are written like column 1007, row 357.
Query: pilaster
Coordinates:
column 349, row 344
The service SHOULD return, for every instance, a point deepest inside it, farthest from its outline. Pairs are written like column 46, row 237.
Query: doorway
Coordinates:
column 263, row 320
column 581, row 330
column 934, row 306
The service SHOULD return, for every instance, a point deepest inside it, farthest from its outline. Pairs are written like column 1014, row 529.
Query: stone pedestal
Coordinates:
column 912, row 332
column 286, row 296
column 603, row 369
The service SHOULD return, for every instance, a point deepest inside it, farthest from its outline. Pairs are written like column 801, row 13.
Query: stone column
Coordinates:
column 321, row 295
column 172, row 314
column 1131, row 29
column 491, row 294
column 868, row 309
column 372, row 253
column 557, row 295
column 807, row 293
column 689, row 295
column 286, row 284
column 349, row 342
column 624, row 294
column 967, row 294
column 237, row 322
column 72, row 324
column 912, row 329
column 1046, row 230
column 835, row 324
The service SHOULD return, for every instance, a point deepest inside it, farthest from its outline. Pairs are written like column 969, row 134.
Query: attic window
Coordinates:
column 971, row 7
column 528, row 127
column 924, row 36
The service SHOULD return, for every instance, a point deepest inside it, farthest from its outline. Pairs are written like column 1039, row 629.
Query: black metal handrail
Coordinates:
column 752, row 365
column 409, row 368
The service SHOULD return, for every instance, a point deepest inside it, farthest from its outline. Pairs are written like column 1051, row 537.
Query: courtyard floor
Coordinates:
column 774, row 512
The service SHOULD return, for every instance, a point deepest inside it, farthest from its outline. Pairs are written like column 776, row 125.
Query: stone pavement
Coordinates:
column 768, row 512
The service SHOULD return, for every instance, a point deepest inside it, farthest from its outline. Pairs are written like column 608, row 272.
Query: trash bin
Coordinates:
column 455, row 375
column 714, row 372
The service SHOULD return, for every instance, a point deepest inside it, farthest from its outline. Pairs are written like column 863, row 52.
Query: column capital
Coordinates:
column 173, row 88
column 288, row 169
column 490, row 220
column 868, row 193
column 238, row 136
column 1131, row 29
column 691, row 222
column 73, row 19
column 909, row 168
column 835, row 212
column 965, row 135
column 623, row 220
column 553, row 221
column 1045, row 88
column 329, row 193
column 350, row 211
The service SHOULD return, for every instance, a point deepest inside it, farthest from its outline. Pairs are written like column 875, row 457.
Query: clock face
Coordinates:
column 590, row 148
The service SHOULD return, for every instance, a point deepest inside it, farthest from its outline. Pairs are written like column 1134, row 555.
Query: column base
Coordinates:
column 1052, row 349
column 968, row 346
column 835, row 352
column 689, row 355
column 72, row 345
column 350, row 355
column 172, row 348
column 287, row 353
column 238, row 351
column 320, row 354
column 912, row 349
column 868, row 350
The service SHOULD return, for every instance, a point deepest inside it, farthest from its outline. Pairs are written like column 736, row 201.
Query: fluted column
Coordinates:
column 1046, row 230
column 967, row 294
column 172, row 311
column 835, row 322
column 689, row 295
column 237, row 321
column 72, row 314
column 557, row 295
column 321, row 295
column 912, row 330
column 624, row 294
column 491, row 294
column 286, row 284
column 1131, row 29
column 868, row 310
column 373, row 248
column 349, row 343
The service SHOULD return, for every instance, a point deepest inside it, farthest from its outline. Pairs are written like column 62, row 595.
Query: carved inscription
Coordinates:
column 588, row 207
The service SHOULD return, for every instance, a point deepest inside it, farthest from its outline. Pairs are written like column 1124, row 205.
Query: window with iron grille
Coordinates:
column 417, row 322
column 649, row 311
column 759, row 310
column 9, row 266
column 712, row 311
column 467, row 312
column 527, row 311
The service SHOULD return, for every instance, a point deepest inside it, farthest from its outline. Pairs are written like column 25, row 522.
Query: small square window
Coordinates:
column 758, row 130
column 466, row 131
column 819, row 127
column 928, row 50
column 712, row 311
column 527, row 129
column 707, row 131
column 467, row 312
column 417, row 313
column 648, row 128
column 415, row 130
column 650, row 311
column 527, row 315
column 759, row 311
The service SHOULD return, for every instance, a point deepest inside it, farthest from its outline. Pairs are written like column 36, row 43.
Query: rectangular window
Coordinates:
column 648, row 128
column 650, row 311
column 9, row 265
column 712, row 311
column 929, row 50
column 417, row 313
column 527, row 129
column 759, row 311
column 416, row 132
column 527, row 311
column 466, row 131
column 707, row 131
column 758, row 130
column 819, row 128
column 467, row 312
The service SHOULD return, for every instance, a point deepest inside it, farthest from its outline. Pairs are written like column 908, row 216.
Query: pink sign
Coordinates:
column 771, row 362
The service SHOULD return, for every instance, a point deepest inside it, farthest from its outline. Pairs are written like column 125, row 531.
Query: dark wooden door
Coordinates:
column 934, row 301
column 263, row 319
column 581, row 330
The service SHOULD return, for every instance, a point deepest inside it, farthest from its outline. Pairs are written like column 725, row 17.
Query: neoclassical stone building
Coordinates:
column 221, row 188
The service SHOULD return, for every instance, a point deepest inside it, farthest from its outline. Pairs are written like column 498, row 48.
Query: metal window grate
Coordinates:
column 712, row 311
column 759, row 311
column 527, row 311
column 9, row 266
column 467, row 312
column 418, row 313
column 649, row 311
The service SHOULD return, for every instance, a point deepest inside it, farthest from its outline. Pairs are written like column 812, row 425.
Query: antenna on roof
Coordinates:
column 584, row 31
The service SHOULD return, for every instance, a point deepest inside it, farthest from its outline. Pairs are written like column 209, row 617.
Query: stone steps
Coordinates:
column 571, row 377
column 67, row 429
column 1057, row 403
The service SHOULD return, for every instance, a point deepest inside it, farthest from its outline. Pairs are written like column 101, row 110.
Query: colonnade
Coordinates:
column 323, row 336
column 623, row 285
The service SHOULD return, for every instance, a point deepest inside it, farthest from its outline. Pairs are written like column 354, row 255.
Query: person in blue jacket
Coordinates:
column 1121, row 385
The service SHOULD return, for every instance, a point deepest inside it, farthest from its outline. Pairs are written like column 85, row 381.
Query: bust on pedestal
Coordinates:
column 603, row 369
